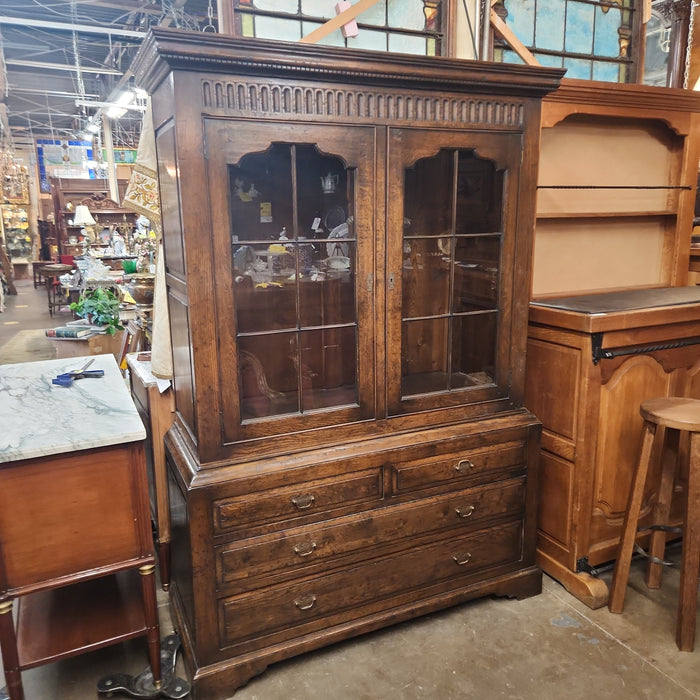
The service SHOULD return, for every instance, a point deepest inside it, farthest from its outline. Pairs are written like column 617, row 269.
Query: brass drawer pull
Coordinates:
column 464, row 465
column 306, row 602
column 304, row 501
column 465, row 512
column 304, row 549
column 462, row 558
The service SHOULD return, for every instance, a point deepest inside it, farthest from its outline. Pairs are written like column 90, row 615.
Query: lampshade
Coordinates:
column 83, row 217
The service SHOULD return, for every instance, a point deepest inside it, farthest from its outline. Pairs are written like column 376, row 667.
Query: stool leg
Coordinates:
column 690, row 563
column 616, row 600
column 662, row 510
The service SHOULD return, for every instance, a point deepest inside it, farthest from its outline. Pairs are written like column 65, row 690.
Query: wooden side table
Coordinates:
column 54, row 291
column 74, row 523
column 156, row 405
column 37, row 276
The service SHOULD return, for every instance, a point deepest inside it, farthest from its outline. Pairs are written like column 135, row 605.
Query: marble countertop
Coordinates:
column 142, row 369
column 38, row 418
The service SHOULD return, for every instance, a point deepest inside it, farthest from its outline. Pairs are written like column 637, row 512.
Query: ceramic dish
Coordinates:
column 336, row 248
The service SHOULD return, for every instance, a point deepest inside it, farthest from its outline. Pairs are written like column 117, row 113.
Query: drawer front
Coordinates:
column 293, row 610
column 240, row 565
column 459, row 466
column 299, row 500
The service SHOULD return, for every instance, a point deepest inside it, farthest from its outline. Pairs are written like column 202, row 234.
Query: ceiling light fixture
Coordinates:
column 120, row 104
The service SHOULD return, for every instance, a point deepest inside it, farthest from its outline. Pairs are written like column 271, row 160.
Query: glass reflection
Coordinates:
column 451, row 272
column 294, row 256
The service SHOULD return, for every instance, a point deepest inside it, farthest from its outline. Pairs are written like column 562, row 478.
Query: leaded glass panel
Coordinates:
column 590, row 38
column 400, row 26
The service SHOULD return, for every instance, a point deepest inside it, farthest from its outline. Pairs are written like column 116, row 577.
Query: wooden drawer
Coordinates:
column 289, row 502
column 306, row 550
column 459, row 466
column 290, row 611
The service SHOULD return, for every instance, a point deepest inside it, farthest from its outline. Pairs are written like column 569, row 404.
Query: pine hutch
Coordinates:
column 612, row 321
column 348, row 239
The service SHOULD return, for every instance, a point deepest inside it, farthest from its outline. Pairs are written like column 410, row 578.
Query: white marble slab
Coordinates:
column 142, row 369
column 38, row 418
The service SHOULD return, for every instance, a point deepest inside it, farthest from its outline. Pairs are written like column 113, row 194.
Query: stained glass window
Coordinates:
column 590, row 38
column 399, row 26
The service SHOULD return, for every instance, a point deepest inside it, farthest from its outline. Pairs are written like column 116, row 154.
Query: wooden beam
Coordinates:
column 507, row 33
column 338, row 21
column 224, row 17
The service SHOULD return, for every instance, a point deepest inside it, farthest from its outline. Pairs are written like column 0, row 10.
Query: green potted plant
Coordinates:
column 101, row 307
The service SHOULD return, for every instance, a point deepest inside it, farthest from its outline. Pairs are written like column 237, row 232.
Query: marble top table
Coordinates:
column 38, row 418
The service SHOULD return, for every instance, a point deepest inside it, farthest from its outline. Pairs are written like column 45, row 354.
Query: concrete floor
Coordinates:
column 547, row 647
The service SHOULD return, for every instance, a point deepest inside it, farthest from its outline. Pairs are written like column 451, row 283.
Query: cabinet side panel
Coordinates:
column 183, row 380
column 170, row 200
column 556, row 488
column 551, row 386
column 180, row 549
column 68, row 514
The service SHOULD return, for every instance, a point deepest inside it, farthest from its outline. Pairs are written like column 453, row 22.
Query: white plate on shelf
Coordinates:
column 338, row 262
column 338, row 248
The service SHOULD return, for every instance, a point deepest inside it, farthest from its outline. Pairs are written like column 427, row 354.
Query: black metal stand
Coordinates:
column 142, row 686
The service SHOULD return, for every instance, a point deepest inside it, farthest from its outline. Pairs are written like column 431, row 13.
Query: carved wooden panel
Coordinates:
column 257, row 98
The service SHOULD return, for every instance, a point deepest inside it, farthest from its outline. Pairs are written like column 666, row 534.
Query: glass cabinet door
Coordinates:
column 453, row 224
column 300, row 229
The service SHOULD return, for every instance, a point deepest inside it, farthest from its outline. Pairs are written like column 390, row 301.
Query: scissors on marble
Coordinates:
column 67, row 378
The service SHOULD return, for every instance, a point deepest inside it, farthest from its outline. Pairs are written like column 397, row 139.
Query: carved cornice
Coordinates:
column 166, row 50
column 246, row 98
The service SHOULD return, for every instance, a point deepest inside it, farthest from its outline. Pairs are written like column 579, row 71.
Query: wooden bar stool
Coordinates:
column 674, row 415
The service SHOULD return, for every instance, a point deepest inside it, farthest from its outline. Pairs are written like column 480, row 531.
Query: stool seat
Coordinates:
column 674, row 416
column 672, row 412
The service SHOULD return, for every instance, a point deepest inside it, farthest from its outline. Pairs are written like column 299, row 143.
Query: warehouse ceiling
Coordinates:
column 64, row 61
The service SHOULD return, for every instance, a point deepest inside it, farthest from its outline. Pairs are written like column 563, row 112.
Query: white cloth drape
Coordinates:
column 142, row 196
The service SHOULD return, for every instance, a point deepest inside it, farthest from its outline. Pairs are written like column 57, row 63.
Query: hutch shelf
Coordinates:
column 348, row 239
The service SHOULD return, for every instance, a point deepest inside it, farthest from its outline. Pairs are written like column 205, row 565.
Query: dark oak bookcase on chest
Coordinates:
column 348, row 243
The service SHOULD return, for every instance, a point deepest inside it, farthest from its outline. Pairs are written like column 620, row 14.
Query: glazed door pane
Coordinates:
column 456, row 242
column 295, row 259
column 292, row 224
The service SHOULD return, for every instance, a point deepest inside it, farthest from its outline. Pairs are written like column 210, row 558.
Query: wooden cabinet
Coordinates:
column 611, row 323
column 154, row 400
column 68, row 193
column 348, row 243
column 77, row 560
column 616, row 188
column 592, row 360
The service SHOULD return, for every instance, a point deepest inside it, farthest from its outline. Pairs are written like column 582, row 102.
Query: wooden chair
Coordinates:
column 675, row 416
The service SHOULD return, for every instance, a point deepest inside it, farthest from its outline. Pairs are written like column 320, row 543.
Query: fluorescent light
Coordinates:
column 93, row 128
column 119, row 107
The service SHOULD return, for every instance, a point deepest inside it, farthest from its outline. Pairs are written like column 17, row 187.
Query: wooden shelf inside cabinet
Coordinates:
column 63, row 622
column 605, row 215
